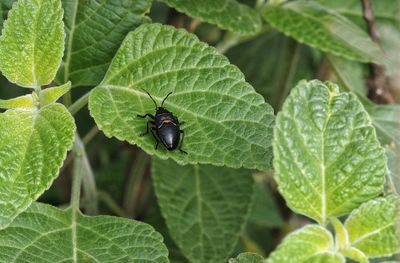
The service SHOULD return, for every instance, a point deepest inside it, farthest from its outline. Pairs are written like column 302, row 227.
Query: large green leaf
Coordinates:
column 205, row 207
column 257, row 59
column 47, row 234
column 32, row 42
column 226, row 121
column 95, row 30
column 372, row 227
column 323, row 28
column 33, row 145
column 327, row 157
column 310, row 244
column 226, row 14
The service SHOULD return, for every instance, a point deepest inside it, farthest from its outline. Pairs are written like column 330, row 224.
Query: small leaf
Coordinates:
column 372, row 227
column 33, row 145
column 310, row 244
column 95, row 30
column 25, row 101
column 248, row 258
column 323, row 28
column 50, row 95
column 46, row 234
column 327, row 157
column 228, row 14
column 226, row 121
column 205, row 207
column 32, row 42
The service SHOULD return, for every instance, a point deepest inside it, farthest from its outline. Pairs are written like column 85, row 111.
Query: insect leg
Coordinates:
column 155, row 137
column 181, row 144
column 146, row 115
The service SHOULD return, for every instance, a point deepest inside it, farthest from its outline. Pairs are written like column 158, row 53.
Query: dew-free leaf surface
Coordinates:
column 372, row 227
column 46, row 234
column 226, row 14
column 94, row 31
column 33, row 145
column 327, row 157
column 315, row 25
column 32, row 42
column 310, row 244
column 205, row 207
column 248, row 258
column 226, row 121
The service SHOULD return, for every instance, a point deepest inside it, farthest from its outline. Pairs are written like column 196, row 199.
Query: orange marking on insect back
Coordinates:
column 167, row 121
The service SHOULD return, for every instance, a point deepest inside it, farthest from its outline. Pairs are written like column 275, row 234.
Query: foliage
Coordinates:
column 328, row 151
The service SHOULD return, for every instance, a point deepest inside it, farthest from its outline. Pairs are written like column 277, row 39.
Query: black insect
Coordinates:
column 165, row 127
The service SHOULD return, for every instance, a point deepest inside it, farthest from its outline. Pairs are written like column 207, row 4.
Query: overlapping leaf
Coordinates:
column 372, row 227
column 33, row 146
column 47, row 234
column 227, row 14
column 310, row 244
column 205, row 207
column 226, row 122
column 32, row 42
column 247, row 258
column 95, row 30
column 327, row 157
column 325, row 29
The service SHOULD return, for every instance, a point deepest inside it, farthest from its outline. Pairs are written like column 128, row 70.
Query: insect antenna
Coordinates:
column 155, row 103
column 162, row 103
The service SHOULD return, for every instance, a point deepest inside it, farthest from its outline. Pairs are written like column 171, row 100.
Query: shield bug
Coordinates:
column 165, row 127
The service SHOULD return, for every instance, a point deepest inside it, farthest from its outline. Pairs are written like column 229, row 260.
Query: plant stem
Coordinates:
column 77, row 175
column 111, row 204
column 79, row 104
column 67, row 99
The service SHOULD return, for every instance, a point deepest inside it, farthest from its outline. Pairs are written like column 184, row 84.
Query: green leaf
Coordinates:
column 52, row 94
column 32, row 42
column 248, row 258
column 393, row 155
column 226, row 121
column 95, row 30
column 372, row 227
column 205, row 207
column 310, row 244
column 26, row 101
column 327, row 157
column 46, row 234
column 323, row 28
column 264, row 210
column 33, row 145
column 273, row 80
column 227, row 14
column 5, row 6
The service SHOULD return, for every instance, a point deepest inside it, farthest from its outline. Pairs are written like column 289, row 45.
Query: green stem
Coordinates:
column 79, row 104
column 67, row 99
column 111, row 204
column 77, row 175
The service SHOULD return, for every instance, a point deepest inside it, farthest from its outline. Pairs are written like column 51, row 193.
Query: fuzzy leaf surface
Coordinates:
column 327, row 157
column 32, row 42
column 47, row 234
column 33, row 146
column 248, row 258
column 205, row 207
column 226, row 121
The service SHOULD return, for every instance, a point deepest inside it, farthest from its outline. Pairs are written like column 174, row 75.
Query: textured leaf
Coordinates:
column 327, row 157
column 33, row 145
column 32, row 42
column 205, row 207
column 47, row 234
column 52, row 94
column 226, row 122
column 5, row 6
column 95, row 30
column 310, row 244
column 226, row 14
column 393, row 155
column 247, row 258
column 372, row 227
column 25, row 101
column 257, row 59
column 325, row 29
